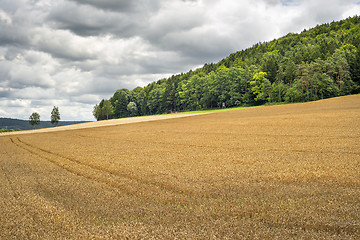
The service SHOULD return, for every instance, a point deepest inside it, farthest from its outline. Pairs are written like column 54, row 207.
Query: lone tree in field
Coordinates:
column 34, row 119
column 55, row 116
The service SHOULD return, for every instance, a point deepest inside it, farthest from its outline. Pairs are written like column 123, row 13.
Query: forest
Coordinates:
column 318, row 63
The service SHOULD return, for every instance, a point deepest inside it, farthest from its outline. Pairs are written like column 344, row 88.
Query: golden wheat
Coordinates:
column 278, row 172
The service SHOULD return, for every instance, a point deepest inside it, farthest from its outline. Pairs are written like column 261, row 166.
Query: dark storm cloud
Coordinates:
column 75, row 18
column 113, row 5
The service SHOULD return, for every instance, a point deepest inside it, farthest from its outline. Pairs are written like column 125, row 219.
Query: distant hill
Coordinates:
column 9, row 123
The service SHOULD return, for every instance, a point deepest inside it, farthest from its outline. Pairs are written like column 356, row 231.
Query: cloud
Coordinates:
column 63, row 44
column 27, row 68
column 5, row 92
column 118, row 5
column 9, row 36
column 35, row 93
column 73, row 53
column 5, row 18
column 74, row 17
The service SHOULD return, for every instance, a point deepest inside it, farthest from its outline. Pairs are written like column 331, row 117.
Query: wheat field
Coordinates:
column 276, row 172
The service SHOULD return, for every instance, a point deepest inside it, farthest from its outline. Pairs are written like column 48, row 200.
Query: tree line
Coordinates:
column 318, row 63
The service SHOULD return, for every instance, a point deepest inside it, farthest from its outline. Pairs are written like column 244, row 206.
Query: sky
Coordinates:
column 73, row 53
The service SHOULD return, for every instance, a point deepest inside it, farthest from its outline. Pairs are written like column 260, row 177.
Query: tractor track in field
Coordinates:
column 97, row 173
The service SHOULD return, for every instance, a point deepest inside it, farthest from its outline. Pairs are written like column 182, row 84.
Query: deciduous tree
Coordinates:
column 97, row 112
column 34, row 119
column 107, row 109
column 55, row 116
column 132, row 108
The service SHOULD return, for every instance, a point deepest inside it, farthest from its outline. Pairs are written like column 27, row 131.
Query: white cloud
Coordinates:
column 18, row 103
column 352, row 11
column 5, row 18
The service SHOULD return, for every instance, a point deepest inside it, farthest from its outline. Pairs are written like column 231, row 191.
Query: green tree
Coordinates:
column 289, row 71
column 238, row 86
column 34, row 119
column 304, row 80
column 326, row 86
column 342, row 72
column 270, row 65
column 55, row 116
column 183, row 94
column 135, row 96
column 260, row 86
column 210, row 93
column 107, row 109
column 293, row 94
column 97, row 112
column 155, row 97
column 120, row 100
column 170, row 96
column 132, row 108
column 222, row 86
column 355, row 67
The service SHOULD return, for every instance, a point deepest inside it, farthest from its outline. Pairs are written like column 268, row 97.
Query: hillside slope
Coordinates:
column 276, row 172
column 318, row 63
column 104, row 123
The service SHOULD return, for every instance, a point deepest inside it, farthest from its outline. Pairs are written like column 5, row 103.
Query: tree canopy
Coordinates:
column 55, row 116
column 34, row 119
column 318, row 63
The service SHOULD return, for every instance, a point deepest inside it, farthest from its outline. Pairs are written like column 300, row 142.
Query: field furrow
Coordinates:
column 128, row 184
